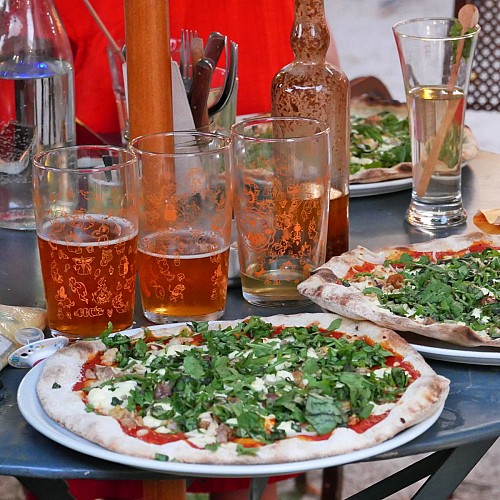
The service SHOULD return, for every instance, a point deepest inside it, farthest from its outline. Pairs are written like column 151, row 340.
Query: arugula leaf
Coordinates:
column 372, row 289
column 212, row 446
column 334, row 325
column 193, row 367
column 323, row 413
column 310, row 366
column 106, row 333
column 243, row 450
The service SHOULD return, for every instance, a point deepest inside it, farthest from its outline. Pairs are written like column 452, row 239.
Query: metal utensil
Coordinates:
column 230, row 82
column 185, row 65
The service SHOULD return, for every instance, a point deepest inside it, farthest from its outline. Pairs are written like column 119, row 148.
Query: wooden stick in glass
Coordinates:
column 149, row 81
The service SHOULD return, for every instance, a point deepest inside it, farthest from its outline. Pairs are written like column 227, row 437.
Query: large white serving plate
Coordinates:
column 35, row 415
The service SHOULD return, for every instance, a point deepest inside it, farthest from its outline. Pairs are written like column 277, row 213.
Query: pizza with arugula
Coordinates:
column 255, row 391
column 447, row 289
column 380, row 144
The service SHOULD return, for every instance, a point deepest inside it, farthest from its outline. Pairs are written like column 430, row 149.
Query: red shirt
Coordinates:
column 260, row 27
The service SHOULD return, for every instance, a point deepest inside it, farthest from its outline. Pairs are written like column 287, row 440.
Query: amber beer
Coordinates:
column 88, row 268
column 338, row 224
column 287, row 246
column 183, row 278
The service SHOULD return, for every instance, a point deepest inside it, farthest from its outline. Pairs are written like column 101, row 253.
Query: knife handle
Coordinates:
column 200, row 89
column 214, row 47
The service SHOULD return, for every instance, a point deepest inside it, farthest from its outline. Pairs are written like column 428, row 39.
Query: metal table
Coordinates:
column 468, row 426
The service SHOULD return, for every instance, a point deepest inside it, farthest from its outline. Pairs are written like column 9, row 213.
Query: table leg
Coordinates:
column 257, row 487
column 47, row 489
column 446, row 468
column 165, row 489
column 453, row 471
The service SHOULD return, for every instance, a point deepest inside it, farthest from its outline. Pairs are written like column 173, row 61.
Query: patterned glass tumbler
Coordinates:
column 185, row 225
column 87, row 219
column 282, row 180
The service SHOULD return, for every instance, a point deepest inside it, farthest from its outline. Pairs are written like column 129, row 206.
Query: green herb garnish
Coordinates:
column 461, row 289
column 379, row 141
column 260, row 382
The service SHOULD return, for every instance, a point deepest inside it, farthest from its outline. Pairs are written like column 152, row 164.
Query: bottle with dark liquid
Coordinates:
column 311, row 87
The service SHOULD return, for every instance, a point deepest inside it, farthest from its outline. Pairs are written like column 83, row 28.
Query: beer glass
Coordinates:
column 282, row 178
column 185, row 225
column 436, row 78
column 87, row 218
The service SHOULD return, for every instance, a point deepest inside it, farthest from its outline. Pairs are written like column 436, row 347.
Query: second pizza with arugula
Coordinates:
column 447, row 289
column 380, row 144
column 256, row 391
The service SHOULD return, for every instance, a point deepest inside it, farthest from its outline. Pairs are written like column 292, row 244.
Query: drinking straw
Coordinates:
column 468, row 17
column 103, row 28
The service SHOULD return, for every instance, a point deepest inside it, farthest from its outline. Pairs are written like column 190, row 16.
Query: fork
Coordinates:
column 190, row 52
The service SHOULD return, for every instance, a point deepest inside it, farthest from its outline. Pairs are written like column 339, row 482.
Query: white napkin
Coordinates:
column 183, row 119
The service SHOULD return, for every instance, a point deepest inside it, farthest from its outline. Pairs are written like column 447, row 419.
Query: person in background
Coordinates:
column 261, row 28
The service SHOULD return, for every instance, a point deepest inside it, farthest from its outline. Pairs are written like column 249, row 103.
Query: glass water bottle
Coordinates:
column 37, row 108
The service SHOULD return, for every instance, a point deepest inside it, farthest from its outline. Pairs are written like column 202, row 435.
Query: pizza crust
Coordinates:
column 422, row 399
column 323, row 289
column 365, row 106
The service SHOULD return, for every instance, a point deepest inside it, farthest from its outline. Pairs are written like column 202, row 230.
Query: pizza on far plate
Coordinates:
column 380, row 145
column 447, row 289
column 255, row 391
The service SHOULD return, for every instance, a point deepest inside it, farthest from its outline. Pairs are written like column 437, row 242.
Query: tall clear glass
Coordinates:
column 37, row 110
column 436, row 80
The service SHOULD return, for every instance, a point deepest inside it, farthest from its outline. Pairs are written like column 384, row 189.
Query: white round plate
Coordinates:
column 443, row 351
column 35, row 415
column 457, row 354
column 373, row 188
column 462, row 355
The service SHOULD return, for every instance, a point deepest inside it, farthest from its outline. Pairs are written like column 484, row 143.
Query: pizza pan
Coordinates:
column 35, row 415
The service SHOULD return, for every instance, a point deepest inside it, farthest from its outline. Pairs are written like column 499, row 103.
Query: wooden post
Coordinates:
column 149, row 82
column 149, row 77
column 174, row 489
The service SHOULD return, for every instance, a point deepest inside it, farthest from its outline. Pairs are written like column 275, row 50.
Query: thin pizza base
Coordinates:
column 323, row 289
column 367, row 106
column 421, row 400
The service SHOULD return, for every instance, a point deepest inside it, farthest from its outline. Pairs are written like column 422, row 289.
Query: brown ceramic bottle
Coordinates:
column 311, row 87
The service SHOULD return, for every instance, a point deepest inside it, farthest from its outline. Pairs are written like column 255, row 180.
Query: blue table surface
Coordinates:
column 471, row 413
